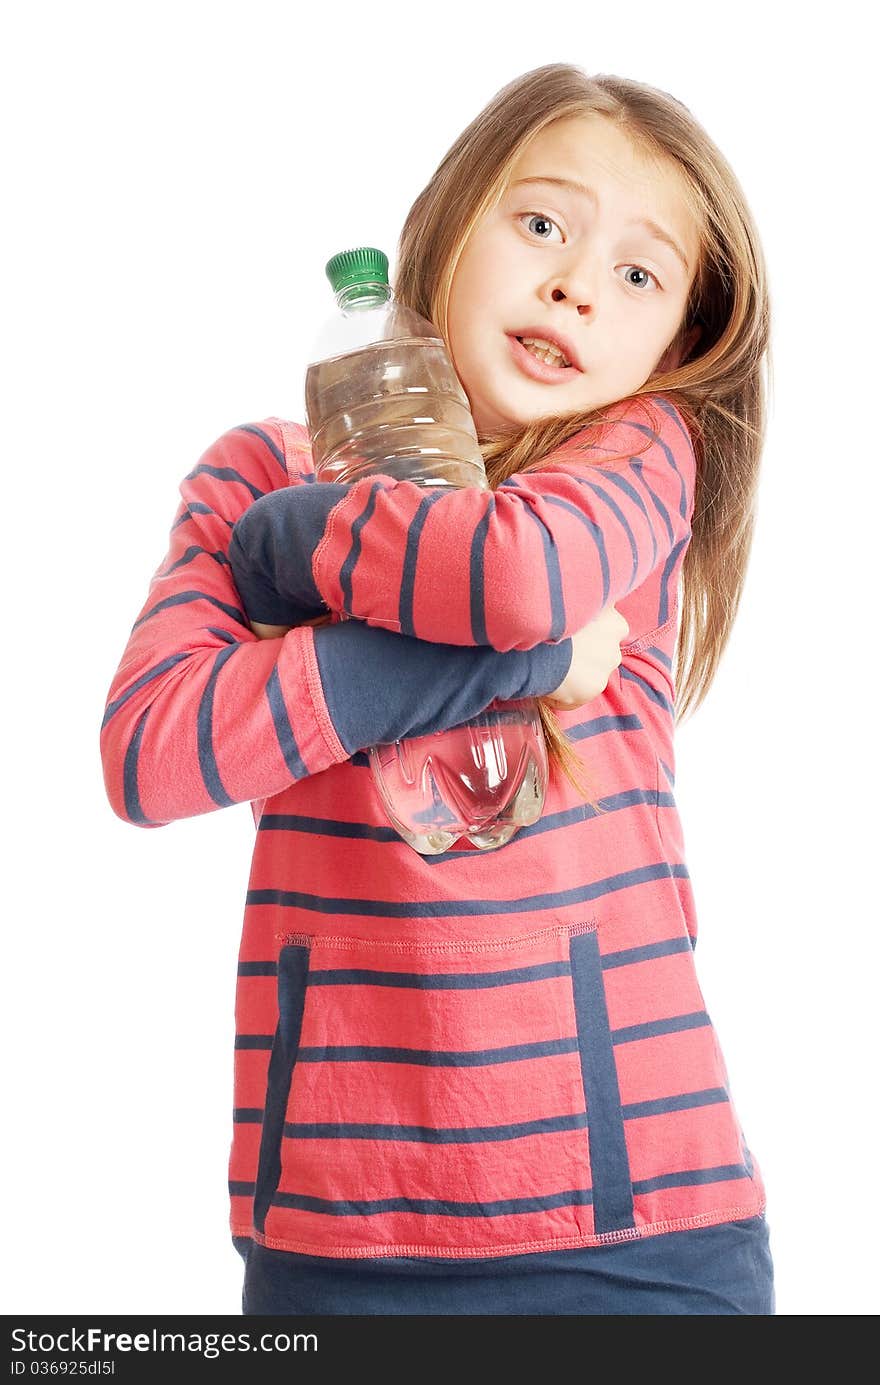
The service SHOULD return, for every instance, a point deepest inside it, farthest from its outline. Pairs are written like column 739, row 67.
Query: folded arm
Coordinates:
column 201, row 713
column 533, row 561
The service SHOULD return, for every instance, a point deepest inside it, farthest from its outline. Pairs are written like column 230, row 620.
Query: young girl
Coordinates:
column 485, row 1082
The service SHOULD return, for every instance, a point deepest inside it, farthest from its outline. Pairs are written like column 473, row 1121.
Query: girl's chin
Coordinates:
column 493, row 425
column 500, row 415
column 490, row 420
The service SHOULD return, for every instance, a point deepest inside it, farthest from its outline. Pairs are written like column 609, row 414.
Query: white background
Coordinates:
column 177, row 175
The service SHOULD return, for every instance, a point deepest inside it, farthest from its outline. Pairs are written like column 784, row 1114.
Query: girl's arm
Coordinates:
column 382, row 687
column 534, row 560
column 201, row 713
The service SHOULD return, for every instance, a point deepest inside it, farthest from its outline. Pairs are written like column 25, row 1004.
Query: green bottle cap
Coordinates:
column 365, row 265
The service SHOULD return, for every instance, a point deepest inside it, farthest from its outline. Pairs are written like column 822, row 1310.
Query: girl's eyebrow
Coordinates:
column 651, row 226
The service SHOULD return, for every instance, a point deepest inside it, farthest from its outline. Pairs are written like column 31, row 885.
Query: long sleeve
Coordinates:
column 201, row 713
column 534, row 560
column 382, row 687
column 271, row 550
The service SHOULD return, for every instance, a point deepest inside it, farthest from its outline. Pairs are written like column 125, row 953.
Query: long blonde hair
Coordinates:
column 719, row 386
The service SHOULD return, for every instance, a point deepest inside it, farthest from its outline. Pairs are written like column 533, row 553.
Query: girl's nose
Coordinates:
column 575, row 287
column 559, row 295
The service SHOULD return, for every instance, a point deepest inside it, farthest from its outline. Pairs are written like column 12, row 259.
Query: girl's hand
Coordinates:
column 595, row 653
column 274, row 632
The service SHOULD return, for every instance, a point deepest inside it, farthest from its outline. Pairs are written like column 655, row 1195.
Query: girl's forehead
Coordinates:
column 588, row 140
column 592, row 153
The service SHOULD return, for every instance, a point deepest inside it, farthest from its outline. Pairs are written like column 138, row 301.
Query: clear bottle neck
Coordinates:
column 353, row 298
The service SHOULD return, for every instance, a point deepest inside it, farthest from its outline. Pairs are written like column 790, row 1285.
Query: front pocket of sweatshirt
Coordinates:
column 293, row 966
column 439, row 1099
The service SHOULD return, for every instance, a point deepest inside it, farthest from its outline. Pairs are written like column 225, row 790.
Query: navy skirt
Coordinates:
column 713, row 1270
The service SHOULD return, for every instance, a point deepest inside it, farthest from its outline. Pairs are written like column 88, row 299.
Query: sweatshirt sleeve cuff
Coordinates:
column 271, row 548
column 380, row 687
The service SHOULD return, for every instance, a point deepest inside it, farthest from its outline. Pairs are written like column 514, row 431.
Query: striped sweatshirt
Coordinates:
column 474, row 1054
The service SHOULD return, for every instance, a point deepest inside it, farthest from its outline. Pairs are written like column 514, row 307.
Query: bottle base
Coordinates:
column 435, row 843
column 457, row 784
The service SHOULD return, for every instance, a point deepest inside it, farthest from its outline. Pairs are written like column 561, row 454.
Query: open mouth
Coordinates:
column 537, row 368
column 549, row 358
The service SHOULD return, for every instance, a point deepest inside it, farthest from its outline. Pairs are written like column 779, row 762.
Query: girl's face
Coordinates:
column 576, row 264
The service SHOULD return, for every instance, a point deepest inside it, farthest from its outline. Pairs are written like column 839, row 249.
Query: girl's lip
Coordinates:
column 530, row 365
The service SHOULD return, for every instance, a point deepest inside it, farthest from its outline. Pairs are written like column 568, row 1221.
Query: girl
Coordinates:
column 485, row 1083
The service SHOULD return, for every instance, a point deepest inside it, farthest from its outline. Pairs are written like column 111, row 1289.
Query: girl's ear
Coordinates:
column 677, row 352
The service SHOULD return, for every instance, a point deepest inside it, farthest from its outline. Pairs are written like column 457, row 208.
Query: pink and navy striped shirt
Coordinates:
column 475, row 1054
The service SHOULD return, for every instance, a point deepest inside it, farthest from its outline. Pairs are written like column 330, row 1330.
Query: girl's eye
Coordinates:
column 539, row 216
column 640, row 270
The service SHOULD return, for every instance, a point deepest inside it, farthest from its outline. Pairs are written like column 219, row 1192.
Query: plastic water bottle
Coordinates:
column 381, row 395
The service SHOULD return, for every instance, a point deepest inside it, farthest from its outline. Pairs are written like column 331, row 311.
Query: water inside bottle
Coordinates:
column 396, row 406
column 367, row 414
column 483, row 780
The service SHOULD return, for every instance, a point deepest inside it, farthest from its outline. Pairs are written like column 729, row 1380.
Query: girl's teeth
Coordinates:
column 548, row 357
